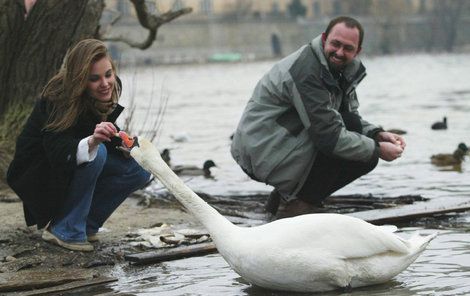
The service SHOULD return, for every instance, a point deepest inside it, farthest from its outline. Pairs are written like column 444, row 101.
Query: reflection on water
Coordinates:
column 405, row 92
column 442, row 269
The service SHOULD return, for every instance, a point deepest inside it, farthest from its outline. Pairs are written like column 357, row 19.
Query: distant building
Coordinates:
column 314, row 9
column 248, row 30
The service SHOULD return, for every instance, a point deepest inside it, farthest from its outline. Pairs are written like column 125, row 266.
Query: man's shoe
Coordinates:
column 74, row 246
column 272, row 204
column 296, row 207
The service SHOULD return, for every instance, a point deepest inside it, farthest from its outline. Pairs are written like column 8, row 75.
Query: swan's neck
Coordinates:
column 214, row 222
column 206, row 214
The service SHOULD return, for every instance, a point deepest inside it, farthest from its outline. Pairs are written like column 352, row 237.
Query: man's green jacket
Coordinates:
column 294, row 113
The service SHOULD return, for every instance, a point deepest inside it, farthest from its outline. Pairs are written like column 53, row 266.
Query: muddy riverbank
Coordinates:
column 22, row 249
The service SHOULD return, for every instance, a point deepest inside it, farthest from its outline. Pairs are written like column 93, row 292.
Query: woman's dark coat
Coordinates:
column 44, row 162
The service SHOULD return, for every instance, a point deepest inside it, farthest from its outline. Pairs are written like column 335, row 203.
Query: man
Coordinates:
column 301, row 131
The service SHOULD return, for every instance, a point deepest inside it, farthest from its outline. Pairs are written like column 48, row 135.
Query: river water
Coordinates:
column 408, row 92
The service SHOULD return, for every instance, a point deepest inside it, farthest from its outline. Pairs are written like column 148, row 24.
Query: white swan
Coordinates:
column 308, row 253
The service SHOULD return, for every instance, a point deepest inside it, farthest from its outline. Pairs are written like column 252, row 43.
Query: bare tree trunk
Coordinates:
column 32, row 51
column 446, row 18
column 40, row 42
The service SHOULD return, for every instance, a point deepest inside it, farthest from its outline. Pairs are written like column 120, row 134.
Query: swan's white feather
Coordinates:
column 346, row 236
column 308, row 253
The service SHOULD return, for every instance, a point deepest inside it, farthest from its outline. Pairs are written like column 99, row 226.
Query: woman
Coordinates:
column 68, row 168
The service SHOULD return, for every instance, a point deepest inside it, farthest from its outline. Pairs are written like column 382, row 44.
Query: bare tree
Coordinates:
column 34, row 42
column 387, row 18
column 359, row 7
column 444, row 22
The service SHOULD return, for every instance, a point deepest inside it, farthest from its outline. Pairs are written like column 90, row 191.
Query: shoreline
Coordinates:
column 23, row 251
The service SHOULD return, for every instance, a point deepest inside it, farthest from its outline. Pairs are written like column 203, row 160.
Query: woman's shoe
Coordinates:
column 74, row 246
column 93, row 237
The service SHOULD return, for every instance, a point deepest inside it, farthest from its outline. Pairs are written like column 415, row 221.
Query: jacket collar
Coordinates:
column 115, row 114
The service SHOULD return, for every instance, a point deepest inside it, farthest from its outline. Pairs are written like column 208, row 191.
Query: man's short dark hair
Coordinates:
column 350, row 23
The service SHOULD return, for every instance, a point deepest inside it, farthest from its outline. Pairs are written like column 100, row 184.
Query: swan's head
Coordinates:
column 128, row 141
column 148, row 156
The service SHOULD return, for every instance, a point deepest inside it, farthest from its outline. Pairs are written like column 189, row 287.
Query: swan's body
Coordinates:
column 309, row 253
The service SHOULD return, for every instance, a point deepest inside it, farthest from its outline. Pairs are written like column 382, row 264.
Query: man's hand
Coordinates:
column 391, row 138
column 389, row 151
column 103, row 132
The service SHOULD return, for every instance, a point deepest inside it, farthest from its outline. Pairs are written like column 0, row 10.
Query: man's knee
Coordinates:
column 250, row 175
column 370, row 165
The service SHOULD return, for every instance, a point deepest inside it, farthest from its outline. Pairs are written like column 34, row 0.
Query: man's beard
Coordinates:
column 336, row 68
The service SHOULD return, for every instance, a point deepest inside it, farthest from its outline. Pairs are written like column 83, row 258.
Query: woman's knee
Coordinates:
column 98, row 162
column 101, row 156
column 144, row 177
column 139, row 176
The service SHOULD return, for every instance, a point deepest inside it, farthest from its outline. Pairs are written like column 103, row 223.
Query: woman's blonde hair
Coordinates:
column 67, row 89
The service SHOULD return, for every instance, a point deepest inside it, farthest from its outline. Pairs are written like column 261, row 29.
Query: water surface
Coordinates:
column 408, row 92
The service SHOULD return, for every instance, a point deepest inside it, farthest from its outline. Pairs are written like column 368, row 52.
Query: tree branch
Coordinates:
column 151, row 22
column 104, row 29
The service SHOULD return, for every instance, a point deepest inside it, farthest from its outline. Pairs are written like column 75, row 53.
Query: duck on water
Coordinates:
column 308, row 253
column 446, row 159
column 191, row 170
column 440, row 125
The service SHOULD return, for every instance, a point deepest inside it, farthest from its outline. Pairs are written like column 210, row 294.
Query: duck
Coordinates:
column 191, row 170
column 397, row 131
column 165, row 154
column 456, row 158
column 440, row 125
column 181, row 137
column 307, row 253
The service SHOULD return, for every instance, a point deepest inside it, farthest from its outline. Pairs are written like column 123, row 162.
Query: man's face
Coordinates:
column 341, row 46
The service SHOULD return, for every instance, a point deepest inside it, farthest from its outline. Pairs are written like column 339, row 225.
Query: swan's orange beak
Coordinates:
column 128, row 141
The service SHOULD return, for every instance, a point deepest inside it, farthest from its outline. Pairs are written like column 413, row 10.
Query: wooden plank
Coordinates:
column 66, row 287
column 416, row 210
column 41, row 278
column 167, row 254
column 20, row 263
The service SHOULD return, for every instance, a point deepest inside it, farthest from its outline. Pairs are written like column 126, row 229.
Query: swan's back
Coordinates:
column 344, row 235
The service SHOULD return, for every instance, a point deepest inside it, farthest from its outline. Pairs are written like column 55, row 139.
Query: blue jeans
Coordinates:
column 97, row 189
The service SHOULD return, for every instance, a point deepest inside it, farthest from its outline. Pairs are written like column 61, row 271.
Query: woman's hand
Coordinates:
column 103, row 132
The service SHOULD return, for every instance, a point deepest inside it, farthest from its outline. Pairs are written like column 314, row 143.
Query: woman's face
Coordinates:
column 101, row 80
